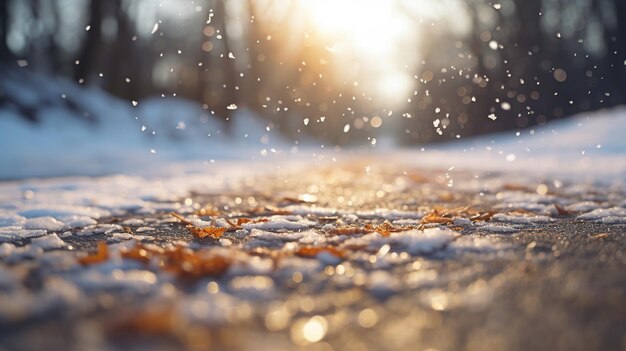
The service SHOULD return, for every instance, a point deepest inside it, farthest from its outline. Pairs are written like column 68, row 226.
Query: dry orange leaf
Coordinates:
column 207, row 232
column 201, row 233
column 600, row 236
column 101, row 255
column 483, row 216
column 561, row 211
column 434, row 217
column 312, row 251
column 190, row 264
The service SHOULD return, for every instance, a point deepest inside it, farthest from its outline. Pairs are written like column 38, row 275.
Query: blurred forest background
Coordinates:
column 414, row 71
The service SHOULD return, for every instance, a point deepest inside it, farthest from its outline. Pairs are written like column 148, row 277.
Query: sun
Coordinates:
column 377, row 34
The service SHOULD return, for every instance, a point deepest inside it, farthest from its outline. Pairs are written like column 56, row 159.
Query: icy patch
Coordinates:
column 583, row 206
column 306, row 237
column 501, row 217
column 613, row 215
column 280, row 224
column 497, row 228
column 412, row 241
column 99, row 229
column 48, row 242
column 311, row 210
column 47, row 223
column 478, row 244
column 389, row 214
column 17, row 233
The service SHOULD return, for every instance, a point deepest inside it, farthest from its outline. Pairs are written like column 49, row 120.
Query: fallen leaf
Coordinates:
column 600, row 236
column 561, row 211
column 206, row 232
column 485, row 216
column 200, row 233
column 312, row 251
column 101, row 255
column 434, row 217
column 191, row 264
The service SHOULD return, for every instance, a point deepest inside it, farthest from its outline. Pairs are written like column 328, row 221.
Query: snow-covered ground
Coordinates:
column 132, row 137
column 590, row 144
column 157, row 134
column 157, row 151
column 315, row 225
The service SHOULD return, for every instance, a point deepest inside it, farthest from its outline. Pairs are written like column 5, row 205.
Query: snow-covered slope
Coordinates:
column 153, row 134
column 126, row 138
column 588, row 144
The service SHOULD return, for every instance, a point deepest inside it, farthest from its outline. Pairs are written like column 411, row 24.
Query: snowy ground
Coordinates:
column 154, row 136
column 507, row 242
column 358, row 255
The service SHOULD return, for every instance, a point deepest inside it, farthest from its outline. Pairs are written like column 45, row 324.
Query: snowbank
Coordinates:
column 112, row 135
column 152, row 135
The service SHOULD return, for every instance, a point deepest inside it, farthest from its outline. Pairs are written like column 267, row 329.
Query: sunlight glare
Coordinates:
column 374, row 33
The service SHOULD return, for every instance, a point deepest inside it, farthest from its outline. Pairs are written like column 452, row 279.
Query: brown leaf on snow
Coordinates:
column 201, row 233
column 312, row 251
column 485, row 216
column 180, row 260
column 185, row 262
column 386, row 228
column 101, row 255
column 600, row 236
column 207, row 232
column 434, row 217
column 561, row 211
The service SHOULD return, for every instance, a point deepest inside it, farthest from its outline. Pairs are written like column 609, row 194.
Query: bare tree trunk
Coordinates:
column 5, row 53
column 93, row 41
